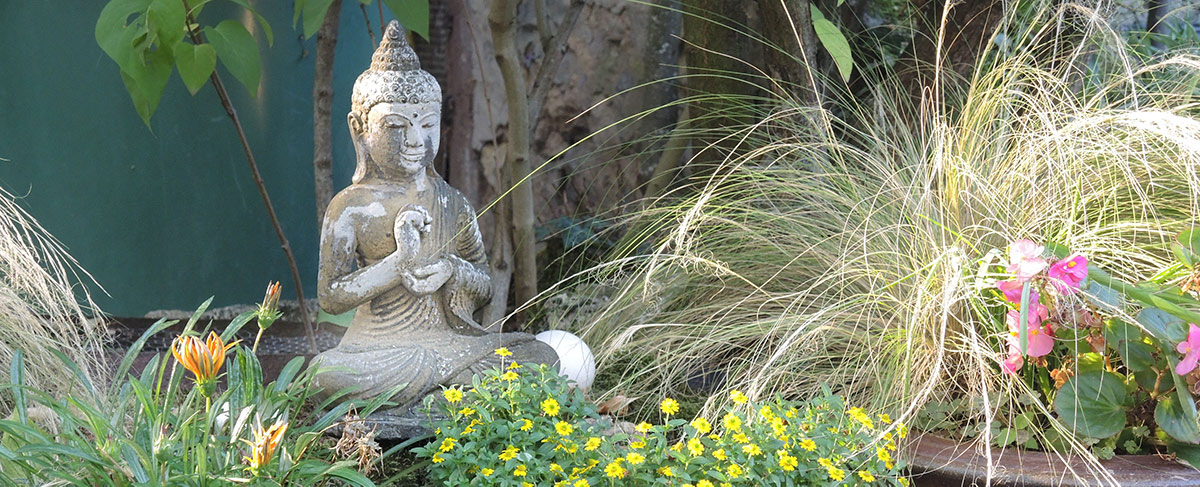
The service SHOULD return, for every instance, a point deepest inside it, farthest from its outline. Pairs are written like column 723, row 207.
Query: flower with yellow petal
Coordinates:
column 563, row 428
column 808, row 445
column 787, row 462
column 734, row 471
column 503, row 352
column 883, row 455
column 509, row 376
column 752, row 449
column 487, row 472
column 615, row 470
column 643, row 427
column 695, row 447
column 902, row 481
column 866, row 476
column 526, row 424
column 666, row 472
column 452, row 395
column 262, row 449
column 637, row 445
column 550, row 407
column 582, row 483
column 447, row 445
column 732, row 422
column 203, row 358
column 669, row 406
column 719, row 454
column 837, row 474
column 737, row 397
column 519, row 471
column 741, row 438
column 592, row 444
column 704, row 483
column 466, row 411
column 509, row 453
column 437, row 458
column 635, row 458
column 701, row 425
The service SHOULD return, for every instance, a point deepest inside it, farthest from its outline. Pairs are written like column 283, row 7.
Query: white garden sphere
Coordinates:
column 575, row 359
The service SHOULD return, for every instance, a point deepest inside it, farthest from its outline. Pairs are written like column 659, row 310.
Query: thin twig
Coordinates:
column 367, row 20
column 215, row 77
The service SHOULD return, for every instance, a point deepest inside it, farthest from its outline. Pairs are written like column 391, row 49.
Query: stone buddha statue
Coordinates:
column 403, row 247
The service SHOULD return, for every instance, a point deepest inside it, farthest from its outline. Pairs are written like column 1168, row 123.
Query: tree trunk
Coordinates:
column 787, row 24
column 1155, row 11
column 322, row 109
column 502, row 20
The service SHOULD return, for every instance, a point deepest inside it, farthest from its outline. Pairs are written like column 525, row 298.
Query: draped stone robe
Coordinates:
column 398, row 338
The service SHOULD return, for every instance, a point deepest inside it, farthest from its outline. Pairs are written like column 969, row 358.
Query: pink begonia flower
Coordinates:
column 1067, row 274
column 1190, row 349
column 1013, row 363
column 1041, row 337
column 1012, row 291
column 1025, row 259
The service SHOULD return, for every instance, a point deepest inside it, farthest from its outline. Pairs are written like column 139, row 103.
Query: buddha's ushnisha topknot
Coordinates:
column 395, row 75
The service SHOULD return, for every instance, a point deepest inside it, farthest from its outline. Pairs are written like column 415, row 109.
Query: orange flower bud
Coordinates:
column 203, row 359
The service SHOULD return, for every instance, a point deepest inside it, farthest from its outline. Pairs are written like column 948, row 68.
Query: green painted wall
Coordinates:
column 166, row 218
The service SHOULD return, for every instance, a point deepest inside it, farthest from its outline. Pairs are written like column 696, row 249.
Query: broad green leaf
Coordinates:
column 1162, row 325
column 114, row 36
column 1174, row 417
column 1185, row 256
column 196, row 64
column 1093, row 404
column 16, row 376
column 167, row 18
column 1189, row 454
column 1089, row 361
column 1190, row 239
column 342, row 320
column 832, row 38
column 262, row 21
column 237, row 51
column 146, row 82
column 313, row 12
column 412, row 14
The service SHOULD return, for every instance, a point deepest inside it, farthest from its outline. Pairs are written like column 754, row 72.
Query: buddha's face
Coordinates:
column 402, row 138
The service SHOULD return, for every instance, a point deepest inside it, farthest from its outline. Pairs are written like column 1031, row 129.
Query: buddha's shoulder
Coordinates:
column 353, row 198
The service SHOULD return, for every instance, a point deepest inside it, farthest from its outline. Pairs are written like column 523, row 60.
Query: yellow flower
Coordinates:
column 526, row 484
column 866, row 476
column 766, row 412
column 513, row 366
column 787, row 462
column 509, row 453
column 643, row 427
column 264, row 444
column 452, row 395
column 701, row 425
column 738, row 397
column 503, row 352
column 901, row 430
column 467, row 411
column 519, row 471
column 883, row 455
column 719, row 454
column 666, row 472
column 837, row 474
column 903, row 481
column 615, row 470
column 550, row 406
column 592, row 444
column 808, row 444
column 732, row 422
column 752, row 449
column 637, row 445
column 824, row 462
column 741, row 438
column 509, row 376
column 447, row 445
column 695, row 447
column 527, row 425
column 582, row 483
column 563, row 428
column 669, row 406
column 885, row 419
column 437, row 458
column 704, row 483
column 487, row 472
column 203, row 359
column 734, row 471
column 634, row 458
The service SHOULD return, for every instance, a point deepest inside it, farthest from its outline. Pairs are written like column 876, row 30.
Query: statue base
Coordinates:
column 397, row 424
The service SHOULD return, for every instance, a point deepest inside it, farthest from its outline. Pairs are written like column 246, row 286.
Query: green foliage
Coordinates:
column 522, row 425
column 835, row 43
column 1094, row 403
column 153, row 429
column 149, row 38
column 412, row 14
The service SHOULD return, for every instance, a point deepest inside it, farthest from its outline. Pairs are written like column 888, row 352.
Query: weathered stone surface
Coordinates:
column 403, row 248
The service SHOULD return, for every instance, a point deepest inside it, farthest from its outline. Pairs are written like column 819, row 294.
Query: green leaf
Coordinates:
column 313, row 12
column 1184, row 255
column 1162, row 325
column 196, row 64
column 16, row 376
column 1103, row 297
column 1174, row 417
column 114, row 35
column 830, row 37
column 237, row 51
column 167, row 18
column 1093, row 404
column 146, row 82
column 412, row 14
column 343, row 320
column 262, row 21
column 1190, row 240
column 1189, row 454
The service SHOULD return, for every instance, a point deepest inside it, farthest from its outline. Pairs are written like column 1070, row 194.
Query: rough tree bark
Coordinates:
column 1155, row 11
column 322, row 108
column 787, row 24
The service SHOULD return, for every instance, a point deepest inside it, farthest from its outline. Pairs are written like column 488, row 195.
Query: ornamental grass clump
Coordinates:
column 835, row 245
column 522, row 425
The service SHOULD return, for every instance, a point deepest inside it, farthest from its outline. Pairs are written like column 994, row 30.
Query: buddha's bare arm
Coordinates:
column 341, row 287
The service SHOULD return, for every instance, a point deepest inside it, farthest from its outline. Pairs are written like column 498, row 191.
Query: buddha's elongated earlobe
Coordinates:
column 358, row 129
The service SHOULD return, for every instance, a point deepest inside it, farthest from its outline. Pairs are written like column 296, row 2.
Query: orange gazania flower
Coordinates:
column 262, row 449
column 203, row 359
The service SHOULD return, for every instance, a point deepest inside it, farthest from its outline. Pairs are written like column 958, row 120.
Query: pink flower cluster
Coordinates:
column 1026, row 263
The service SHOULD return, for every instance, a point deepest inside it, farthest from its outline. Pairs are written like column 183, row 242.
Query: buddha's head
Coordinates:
column 395, row 112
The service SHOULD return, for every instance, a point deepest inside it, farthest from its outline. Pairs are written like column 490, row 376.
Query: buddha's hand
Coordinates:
column 412, row 223
column 428, row 278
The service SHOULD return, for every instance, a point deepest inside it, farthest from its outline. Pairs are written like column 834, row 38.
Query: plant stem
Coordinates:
column 262, row 188
column 254, row 349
